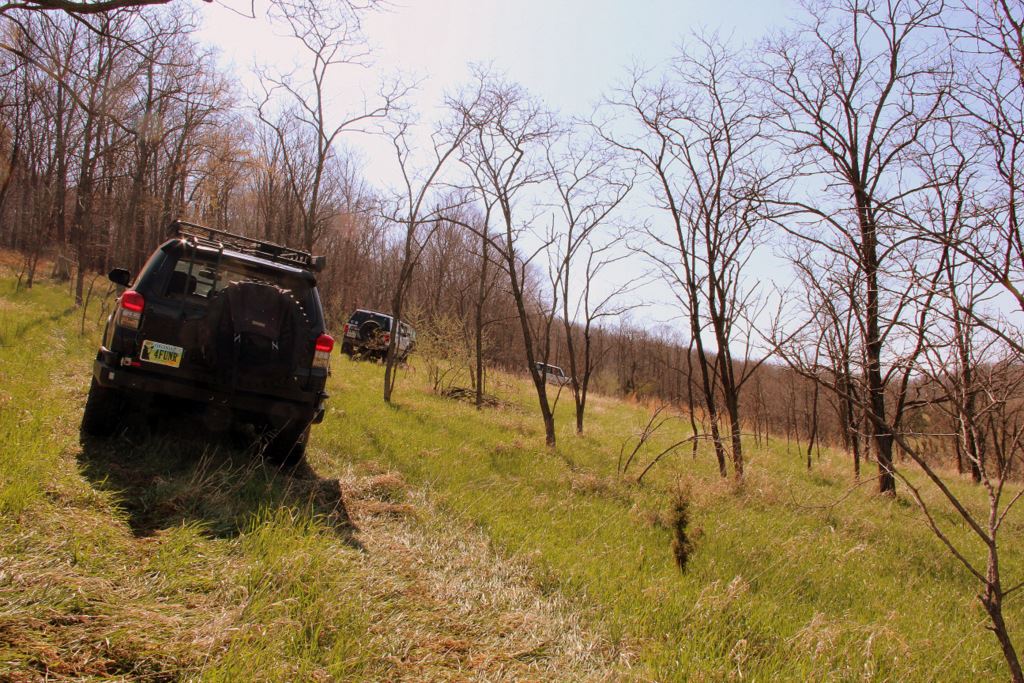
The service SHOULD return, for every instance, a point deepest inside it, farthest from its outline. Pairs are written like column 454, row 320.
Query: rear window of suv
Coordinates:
column 359, row 317
column 199, row 280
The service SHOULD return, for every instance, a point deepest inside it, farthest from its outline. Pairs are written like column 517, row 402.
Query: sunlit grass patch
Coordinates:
column 794, row 574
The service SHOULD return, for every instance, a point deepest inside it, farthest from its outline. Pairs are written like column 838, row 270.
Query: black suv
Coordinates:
column 232, row 325
column 368, row 333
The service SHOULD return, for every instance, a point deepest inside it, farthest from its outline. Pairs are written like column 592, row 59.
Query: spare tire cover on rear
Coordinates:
column 369, row 332
column 257, row 328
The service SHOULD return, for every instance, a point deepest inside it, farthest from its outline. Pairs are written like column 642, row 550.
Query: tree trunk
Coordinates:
column 732, row 405
column 478, row 322
column 689, row 398
column 709, row 394
column 813, row 426
column 404, row 277
column 880, row 427
column 992, row 600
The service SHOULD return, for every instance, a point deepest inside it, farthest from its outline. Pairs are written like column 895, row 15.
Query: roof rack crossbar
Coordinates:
column 250, row 245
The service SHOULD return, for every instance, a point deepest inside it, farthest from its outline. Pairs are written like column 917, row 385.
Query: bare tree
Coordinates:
column 299, row 112
column 102, row 82
column 42, row 153
column 866, row 103
column 949, row 215
column 503, row 156
column 222, row 173
column 855, row 88
column 987, row 36
column 943, row 387
column 836, row 318
column 701, row 141
column 412, row 210
column 591, row 185
column 486, row 282
column 178, row 95
column 128, row 105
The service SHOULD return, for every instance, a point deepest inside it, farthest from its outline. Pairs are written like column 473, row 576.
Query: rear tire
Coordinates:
column 104, row 411
column 287, row 446
column 346, row 349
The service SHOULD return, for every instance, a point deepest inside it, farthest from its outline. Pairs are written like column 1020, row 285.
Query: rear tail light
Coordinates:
column 344, row 330
column 322, row 351
column 129, row 313
column 387, row 337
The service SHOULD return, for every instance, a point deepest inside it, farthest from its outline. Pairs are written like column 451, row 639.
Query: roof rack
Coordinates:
column 220, row 239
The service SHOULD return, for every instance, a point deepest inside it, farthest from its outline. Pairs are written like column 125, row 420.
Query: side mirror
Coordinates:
column 120, row 276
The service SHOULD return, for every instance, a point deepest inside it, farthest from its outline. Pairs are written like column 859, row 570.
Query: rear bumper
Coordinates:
column 350, row 345
column 109, row 373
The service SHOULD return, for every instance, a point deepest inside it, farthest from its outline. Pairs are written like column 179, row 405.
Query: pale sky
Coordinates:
column 566, row 52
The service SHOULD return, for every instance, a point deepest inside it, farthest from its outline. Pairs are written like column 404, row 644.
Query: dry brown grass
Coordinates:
column 584, row 482
column 69, row 613
column 464, row 612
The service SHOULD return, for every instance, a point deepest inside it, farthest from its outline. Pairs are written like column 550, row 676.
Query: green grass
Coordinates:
column 176, row 559
column 784, row 582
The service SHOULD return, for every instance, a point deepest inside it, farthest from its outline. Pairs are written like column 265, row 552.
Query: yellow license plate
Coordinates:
column 161, row 354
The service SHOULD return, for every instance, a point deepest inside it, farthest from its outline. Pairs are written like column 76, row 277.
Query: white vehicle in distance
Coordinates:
column 553, row 374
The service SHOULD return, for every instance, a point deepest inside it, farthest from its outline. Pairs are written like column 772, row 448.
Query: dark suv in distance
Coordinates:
column 368, row 333
column 230, row 325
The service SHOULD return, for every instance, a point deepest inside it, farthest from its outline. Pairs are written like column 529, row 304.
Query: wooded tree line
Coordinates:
column 876, row 145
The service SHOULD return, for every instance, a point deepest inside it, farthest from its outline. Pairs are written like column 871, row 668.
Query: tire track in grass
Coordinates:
column 463, row 612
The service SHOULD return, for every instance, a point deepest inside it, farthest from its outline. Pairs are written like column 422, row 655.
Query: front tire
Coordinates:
column 104, row 411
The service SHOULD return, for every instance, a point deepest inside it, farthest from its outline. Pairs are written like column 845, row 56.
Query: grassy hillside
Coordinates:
column 430, row 541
